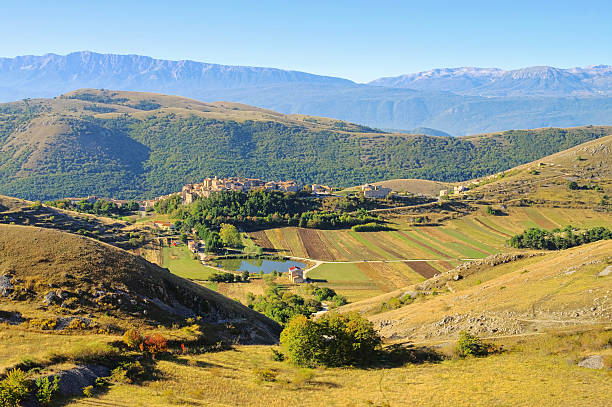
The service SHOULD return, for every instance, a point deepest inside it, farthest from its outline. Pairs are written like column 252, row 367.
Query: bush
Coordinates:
column 265, row 375
column 154, row 344
column 14, row 388
column 471, row 345
column 333, row 340
column 277, row 356
column 369, row 227
column 88, row 391
column 45, row 389
column 46, row 324
column 128, row 372
column 132, row 339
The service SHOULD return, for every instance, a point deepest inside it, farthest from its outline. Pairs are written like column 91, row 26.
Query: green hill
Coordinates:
column 128, row 144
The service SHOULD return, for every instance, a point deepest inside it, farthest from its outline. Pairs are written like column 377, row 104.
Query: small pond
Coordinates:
column 257, row 265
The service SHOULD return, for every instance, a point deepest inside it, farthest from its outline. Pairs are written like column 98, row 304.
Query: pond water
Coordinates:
column 257, row 265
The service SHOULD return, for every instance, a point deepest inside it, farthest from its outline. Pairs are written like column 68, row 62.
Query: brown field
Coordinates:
column 316, row 247
column 422, row 268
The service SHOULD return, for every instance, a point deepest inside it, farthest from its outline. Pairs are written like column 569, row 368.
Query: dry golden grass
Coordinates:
column 532, row 372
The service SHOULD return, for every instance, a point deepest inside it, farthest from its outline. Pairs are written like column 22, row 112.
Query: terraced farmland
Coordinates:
column 360, row 265
column 475, row 236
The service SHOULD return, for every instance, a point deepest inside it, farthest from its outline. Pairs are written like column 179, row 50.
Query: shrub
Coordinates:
column 154, row 344
column 14, row 388
column 132, row 339
column 45, row 389
column 277, row 356
column 333, row 340
column 128, row 372
column 265, row 375
column 77, row 324
column 46, row 324
column 88, row 391
column 471, row 345
column 369, row 227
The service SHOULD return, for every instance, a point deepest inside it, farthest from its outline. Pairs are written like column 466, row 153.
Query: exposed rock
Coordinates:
column 6, row 287
column 592, row 362
column 605, row 272
column 73, row 381
column 457, row 277
column 11, row 317
column 50, row 298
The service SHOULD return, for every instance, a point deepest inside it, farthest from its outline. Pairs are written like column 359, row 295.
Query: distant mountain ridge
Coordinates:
column 531, row 81
column 90, row 69
column 457, row 101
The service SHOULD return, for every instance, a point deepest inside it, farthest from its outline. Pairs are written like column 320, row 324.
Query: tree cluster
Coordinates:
column 557, row 239
column 332, row 340
column 281, row 306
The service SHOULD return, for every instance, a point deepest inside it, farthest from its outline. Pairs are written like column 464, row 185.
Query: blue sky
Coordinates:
column 358, row 40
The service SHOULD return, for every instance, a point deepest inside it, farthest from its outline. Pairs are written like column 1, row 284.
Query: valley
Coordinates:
column 81, row 284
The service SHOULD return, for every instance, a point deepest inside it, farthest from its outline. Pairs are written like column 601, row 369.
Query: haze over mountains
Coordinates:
column 532, row 81
column 458, row 101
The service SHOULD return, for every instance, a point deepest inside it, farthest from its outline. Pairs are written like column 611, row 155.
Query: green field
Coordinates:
column 477, row 235
column 180, row 261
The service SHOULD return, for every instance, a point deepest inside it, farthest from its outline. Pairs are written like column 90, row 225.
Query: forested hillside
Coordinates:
column 131, row 145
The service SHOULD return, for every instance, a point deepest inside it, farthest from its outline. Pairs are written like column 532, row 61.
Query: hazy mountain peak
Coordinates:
column 529, row 81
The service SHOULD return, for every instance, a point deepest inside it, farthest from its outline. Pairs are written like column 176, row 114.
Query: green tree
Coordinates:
column 230, row 235
column 14, row 388
column 333, row 340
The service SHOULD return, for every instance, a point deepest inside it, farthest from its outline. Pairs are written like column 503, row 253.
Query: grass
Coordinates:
column 180, row 261
column 19, row 344
column 231, row 378
column 338, row 272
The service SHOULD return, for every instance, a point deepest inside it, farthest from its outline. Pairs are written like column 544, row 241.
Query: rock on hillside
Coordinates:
column 65, row 272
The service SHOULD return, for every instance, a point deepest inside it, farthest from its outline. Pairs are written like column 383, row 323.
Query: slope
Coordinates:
column 72, row 275
column 503, row 295
column 128, row 144
column 547, row 181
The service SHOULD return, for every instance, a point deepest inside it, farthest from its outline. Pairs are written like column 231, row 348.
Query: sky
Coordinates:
column 357, row 40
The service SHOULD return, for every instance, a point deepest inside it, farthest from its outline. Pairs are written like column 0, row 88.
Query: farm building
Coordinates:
column 163, row 225
column 375, row 191
column 321, row 189
column 296, row 275
column 460, row 188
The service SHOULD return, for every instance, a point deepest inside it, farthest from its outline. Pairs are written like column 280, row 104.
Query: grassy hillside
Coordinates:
column 128, row 144
column 502, row 295
column 83, row 276
column 546, row 181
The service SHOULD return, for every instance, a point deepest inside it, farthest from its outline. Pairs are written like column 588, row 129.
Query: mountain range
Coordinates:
column 532, row 81
column 457, row 101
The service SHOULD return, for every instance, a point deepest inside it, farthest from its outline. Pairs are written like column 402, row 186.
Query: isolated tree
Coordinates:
column 333, row 340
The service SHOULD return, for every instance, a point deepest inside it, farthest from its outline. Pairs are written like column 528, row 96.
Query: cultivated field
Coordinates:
column 477, row 235
column 180, row 261
column 362, row 264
